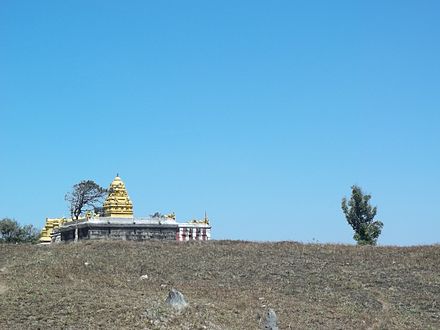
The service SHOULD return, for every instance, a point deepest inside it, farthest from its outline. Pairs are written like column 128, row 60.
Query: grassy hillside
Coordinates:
column 228, row 285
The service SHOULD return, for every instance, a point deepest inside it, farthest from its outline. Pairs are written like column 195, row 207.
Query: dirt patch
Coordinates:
column 227, row 284
column 3, row 288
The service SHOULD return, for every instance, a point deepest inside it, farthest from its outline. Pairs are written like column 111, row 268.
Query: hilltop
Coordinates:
column 228, row 284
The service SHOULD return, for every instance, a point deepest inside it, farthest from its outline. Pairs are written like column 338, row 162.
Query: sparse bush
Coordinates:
column 12, row 232
column 360, row 215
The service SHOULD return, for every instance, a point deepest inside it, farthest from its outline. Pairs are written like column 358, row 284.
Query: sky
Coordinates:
column 261, row 113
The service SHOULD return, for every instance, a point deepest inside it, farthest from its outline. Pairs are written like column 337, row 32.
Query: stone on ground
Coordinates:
column 271, row 320
column 176, row 300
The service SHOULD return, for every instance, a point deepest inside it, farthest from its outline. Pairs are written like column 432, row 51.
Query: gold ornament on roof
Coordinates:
column 204, row 221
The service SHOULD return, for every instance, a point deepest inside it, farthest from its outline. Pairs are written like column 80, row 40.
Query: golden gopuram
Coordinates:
column 118, row 204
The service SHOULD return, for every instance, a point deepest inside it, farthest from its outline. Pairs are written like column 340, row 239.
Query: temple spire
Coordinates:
column 118, row 204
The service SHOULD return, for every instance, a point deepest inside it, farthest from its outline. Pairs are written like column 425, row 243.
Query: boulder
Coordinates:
column 271, row 320
column 176, row 300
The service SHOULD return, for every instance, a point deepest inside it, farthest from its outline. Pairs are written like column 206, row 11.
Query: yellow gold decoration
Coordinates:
column 51, row 224
column 118, row 203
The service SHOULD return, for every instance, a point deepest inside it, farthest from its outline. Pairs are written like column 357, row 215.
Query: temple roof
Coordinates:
column 118, row 204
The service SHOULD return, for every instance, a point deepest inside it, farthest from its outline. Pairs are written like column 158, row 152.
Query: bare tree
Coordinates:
column 86, row 194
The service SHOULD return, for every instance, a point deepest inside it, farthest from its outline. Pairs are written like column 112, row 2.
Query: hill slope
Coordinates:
column 228, row 285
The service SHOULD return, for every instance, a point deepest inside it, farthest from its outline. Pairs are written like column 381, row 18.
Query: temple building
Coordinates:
column 117, row 221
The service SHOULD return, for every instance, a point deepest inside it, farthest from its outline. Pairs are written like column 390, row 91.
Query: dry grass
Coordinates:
column 228, row 285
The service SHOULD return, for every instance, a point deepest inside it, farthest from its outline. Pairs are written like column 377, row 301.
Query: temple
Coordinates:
column 117, row 221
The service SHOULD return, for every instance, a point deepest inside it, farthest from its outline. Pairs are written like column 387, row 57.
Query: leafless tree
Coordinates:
column 86, row 194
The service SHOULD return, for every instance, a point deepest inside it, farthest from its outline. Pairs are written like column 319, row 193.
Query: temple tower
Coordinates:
column 118, row 204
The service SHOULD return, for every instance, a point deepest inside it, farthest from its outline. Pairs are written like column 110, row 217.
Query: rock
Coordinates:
column 3, row 288
column 144, row 277
column 176, row 300
column 271, row 320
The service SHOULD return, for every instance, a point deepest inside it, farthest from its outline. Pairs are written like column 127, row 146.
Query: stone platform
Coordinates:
column 116, row 229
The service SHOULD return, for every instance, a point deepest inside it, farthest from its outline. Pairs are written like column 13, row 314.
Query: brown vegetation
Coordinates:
column 228, row 285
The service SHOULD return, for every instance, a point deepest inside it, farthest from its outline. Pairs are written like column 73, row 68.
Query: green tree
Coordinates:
column 12, row 232
column 28, row 234
column 85, row 194
column 360, row 215
column 8, row 230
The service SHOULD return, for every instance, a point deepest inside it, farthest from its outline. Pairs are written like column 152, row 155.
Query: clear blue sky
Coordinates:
column 262, row 113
